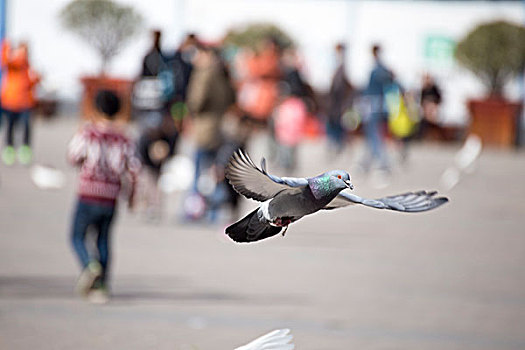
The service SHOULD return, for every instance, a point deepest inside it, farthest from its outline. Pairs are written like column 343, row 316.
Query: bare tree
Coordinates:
column 104, row 24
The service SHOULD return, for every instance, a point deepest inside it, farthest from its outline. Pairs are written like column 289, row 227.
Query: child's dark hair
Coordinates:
column 107, row 103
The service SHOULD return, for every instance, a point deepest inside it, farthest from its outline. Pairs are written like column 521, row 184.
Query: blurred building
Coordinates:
column 417, row 36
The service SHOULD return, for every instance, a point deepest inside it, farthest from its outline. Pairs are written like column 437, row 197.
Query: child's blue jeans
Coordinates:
column 99, row 217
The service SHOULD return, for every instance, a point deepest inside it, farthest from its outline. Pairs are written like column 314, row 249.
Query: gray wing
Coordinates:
column 410, row 202
column 252, row 182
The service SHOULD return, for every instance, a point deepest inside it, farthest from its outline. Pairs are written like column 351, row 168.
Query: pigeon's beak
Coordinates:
column 349, row 184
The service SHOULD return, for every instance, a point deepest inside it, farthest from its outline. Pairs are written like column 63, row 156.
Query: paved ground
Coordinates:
column 356, row 278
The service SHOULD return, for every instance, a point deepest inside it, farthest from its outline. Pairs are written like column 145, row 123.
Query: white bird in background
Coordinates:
column 47, row 178
column 280, row 339
column 464, row 162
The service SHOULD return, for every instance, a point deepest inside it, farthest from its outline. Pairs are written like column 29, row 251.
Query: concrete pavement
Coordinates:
column 354, row 278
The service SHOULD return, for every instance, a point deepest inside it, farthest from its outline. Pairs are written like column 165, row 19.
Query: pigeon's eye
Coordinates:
column 339, row 176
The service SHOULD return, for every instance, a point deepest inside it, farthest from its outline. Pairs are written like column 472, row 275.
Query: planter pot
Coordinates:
column 122, row 87
column 46, row 107
column 495, row 121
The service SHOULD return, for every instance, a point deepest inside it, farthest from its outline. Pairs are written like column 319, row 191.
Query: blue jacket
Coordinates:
column 379, row 79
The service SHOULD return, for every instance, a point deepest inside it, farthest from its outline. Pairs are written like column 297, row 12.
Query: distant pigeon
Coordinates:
column 280, row 339
column 287, row 199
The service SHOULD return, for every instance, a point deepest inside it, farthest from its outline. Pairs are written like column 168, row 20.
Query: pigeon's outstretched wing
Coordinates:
column 279, row 339
column 411, row 202
column 252, row 182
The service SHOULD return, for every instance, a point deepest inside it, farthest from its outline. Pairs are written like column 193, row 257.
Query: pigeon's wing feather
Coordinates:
column 252, row 182
column 280, row 339
column 410, row 202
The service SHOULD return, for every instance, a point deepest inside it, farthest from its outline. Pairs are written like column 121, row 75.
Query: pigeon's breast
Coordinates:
column 294, row 204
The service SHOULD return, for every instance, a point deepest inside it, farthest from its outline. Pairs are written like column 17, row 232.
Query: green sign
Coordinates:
column 439, row 50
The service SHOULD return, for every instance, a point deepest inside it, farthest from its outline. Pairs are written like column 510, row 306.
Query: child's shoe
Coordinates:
column 99, row 294
column 9, row 155
column 25, row 155
column 88, row 277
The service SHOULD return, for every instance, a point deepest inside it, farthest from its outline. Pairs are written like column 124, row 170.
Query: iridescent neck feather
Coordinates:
column 321, row 186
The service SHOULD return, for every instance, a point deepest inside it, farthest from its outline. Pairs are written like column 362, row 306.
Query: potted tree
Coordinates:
column 495, row 53
column 107, row 27
column 252, row 34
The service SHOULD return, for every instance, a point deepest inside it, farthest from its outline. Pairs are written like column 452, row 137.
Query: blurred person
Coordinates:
column 210, row 93
column 430, row 100
column 155, row 147
column 236, row 132
column 402, row 116
column 153, row 91
column 17, row 98
column 289, row 120
column 292, row 84
column 339, row 98
column 181, row 65
column 375, row 117
column 106, row 157
column 258, row 92
column 154, row 86
column 153, row 62
column 291, row 74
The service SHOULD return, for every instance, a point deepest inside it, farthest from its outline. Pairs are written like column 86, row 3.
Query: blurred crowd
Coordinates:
column 220, row 96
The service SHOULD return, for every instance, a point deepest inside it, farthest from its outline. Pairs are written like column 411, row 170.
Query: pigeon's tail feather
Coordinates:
column 251, row 229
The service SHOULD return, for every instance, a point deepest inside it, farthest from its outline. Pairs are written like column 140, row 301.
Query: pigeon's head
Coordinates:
column 330, row 183
column 339, row 179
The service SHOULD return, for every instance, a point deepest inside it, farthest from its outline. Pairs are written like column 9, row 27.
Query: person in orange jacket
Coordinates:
column 259, row 91
column 17, row 99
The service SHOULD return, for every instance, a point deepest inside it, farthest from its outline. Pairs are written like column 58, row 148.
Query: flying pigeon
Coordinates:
column 287, row 199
